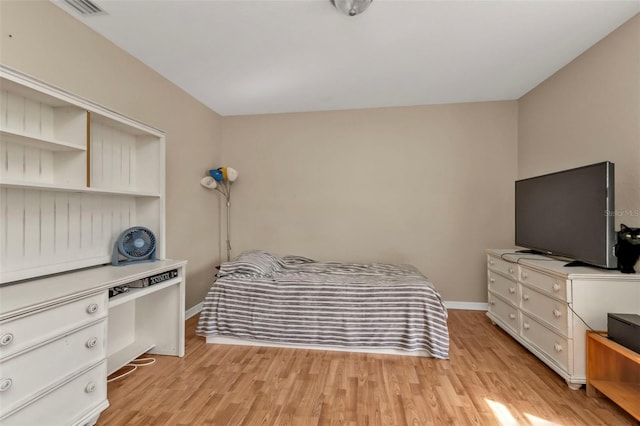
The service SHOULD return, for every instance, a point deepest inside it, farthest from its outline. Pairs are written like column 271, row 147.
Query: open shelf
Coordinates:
column 614, row 371
column 125, row 355
column 626, row 395
column 6, row 183
column 40, row 142
column 135, row 293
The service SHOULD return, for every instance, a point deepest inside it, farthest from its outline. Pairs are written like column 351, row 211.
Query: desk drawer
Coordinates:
column 22, row 332
column 66, row 404
column 33, row 371
column 555, row 346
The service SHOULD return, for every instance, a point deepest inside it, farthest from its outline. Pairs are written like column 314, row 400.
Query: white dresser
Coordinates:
column 548, row 307
column 61, row 335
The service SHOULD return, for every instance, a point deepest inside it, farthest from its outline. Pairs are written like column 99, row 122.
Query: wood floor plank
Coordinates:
column 489, row 380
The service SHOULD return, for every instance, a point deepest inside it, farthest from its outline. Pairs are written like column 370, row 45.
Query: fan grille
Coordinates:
column 137, row 243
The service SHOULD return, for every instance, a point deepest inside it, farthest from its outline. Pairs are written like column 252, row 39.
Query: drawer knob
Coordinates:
column 492, row 280
column 6, row 339
column 491, row 262
column 557, row 347
column 526, row 326
column 512, row 316
column 556, row 286
column 524, row 275
column 511, row 270
column 512, row 289
column 5, row 384
column 556, row 313
column 525, row 296
column 92, row 308
column 91, row 342
column 90, row 387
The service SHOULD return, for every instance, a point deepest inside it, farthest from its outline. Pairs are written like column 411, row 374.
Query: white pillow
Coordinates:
column 252, row 262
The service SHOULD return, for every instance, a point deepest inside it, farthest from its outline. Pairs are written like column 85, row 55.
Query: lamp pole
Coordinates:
column 228, row 221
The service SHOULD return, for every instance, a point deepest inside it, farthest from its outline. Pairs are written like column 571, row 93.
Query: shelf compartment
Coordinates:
column 626, row 395
column 29, row 116
column 42, row 140
column 120, row 157
column 54, row 229
column 614, row 371
column 127, row 354
column 148, row 319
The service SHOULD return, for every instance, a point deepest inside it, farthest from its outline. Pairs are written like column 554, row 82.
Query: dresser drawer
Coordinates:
column 22, row 332
column 507, row 313
column 66, row 404
column 503, row 286
column 502, row 266
column 551, row 311
column 555, row 346
column 33, row 371
column 554, row 286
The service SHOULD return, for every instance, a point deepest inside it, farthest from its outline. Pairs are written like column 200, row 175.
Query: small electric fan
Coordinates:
column 136, row 245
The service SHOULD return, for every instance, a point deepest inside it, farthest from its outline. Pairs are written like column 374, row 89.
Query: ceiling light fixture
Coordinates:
column 351, row 7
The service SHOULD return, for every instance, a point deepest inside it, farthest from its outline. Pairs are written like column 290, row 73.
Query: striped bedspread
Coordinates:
column 296, row 300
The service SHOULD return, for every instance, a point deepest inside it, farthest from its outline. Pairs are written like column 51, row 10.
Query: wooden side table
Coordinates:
column 614, row 371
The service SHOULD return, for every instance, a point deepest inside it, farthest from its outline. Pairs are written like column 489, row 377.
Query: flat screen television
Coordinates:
column 569, row 214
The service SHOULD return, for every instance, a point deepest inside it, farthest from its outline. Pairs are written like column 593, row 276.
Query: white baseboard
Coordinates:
column 470, row 306
column 194, row 310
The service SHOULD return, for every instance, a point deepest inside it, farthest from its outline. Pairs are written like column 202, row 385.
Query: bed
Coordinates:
column 262, row 299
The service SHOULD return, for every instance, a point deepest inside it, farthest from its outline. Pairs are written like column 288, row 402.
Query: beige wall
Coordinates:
column 588, row 112
column 40, row 39
column 430, row 186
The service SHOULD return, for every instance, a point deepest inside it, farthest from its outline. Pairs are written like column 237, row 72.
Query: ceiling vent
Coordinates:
column 84, row 7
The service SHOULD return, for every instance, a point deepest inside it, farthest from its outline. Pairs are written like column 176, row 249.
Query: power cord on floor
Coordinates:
column 133, row 365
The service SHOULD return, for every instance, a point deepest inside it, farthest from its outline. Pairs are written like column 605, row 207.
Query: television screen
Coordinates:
column 569, row 214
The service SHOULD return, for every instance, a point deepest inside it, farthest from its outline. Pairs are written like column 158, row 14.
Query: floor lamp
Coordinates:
column 221, row 180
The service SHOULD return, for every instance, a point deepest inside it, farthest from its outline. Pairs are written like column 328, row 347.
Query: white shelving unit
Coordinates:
column 73, row 176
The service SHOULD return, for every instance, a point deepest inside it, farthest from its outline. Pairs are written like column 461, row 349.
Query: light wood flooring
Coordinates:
column 489, row 380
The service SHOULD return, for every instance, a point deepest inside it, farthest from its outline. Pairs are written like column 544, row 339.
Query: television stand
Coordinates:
column 542, row 304
column 527, row 251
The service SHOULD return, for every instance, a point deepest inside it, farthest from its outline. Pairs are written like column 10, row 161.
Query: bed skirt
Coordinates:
column 224, row 340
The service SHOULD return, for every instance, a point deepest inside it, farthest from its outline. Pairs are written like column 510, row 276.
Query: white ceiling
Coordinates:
column 265, row 56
